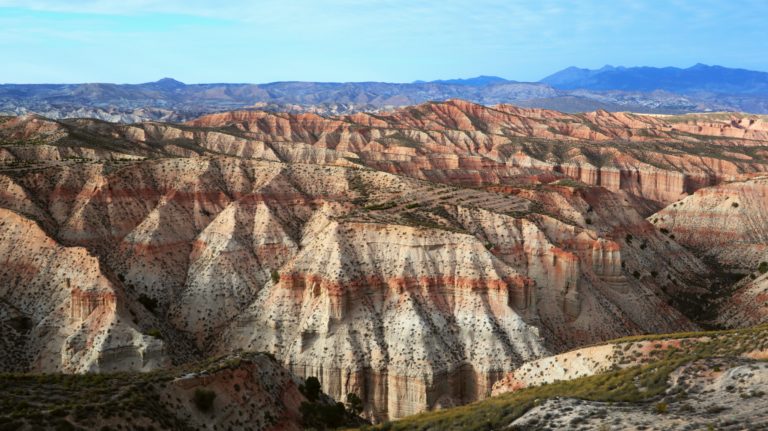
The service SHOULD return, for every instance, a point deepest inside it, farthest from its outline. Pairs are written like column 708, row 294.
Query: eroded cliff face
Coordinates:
column 728, row 225
column 411, row 318
column 746, row 305
column 61, row 311
column 657, row 158
column 661, row 159
column 412, row 294
column 351, row 247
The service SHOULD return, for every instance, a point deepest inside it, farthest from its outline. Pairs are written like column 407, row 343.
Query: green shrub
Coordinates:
column 662, row 407
column 322, row 416
column 203, row 399
column 311, row 388
column 275, row 276
column 354, row 404
column 148, row 302
column 763, row 267
column 63, row 425
column 380, row 207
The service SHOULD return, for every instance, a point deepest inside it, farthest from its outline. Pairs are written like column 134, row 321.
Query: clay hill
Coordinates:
column 413, row 258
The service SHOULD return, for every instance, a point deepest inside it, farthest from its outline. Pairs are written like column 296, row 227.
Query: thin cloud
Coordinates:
column 392, row 40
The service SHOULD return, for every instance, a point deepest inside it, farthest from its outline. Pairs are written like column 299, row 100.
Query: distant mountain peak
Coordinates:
column 477, row 81
column 168, row 83
column 701, row 66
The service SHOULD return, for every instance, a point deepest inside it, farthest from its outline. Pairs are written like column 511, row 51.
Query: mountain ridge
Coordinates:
column 697, row 78
column 571, row 90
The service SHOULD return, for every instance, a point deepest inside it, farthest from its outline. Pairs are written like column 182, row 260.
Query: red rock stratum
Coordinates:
column 412, row 257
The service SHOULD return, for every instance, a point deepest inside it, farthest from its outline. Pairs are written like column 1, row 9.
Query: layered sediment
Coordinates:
column 413, row 258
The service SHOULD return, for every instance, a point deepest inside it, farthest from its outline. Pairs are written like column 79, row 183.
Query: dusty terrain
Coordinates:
column 413, row 258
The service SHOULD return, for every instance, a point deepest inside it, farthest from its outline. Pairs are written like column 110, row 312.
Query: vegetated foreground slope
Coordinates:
column 246, row 391
column 707, row 380
column 412, row 258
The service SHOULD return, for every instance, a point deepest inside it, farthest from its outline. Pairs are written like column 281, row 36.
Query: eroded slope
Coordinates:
column 352, row 274
column 413, row 258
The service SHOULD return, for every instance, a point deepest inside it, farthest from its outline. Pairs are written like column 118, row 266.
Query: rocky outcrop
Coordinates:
column 345, row 303
column 727, row 223
column 632, row 352
column 66, row 309
column 84, row 303
column 252, row 389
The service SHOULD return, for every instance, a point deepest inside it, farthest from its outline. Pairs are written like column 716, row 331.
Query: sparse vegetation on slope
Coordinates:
column 646, row 383
column 242, row 392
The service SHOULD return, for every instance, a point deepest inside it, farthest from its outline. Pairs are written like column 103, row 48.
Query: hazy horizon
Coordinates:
column 447, row 78
column 200, row 41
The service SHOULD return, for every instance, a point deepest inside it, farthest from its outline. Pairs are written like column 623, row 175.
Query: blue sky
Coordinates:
column 132, row 41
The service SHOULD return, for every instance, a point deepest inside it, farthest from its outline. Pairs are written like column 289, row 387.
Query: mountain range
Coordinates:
column 696, row 79
column 640, row 89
